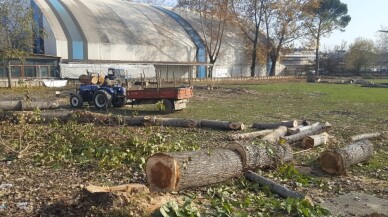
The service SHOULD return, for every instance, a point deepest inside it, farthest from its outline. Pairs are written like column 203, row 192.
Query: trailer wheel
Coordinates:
column 76, row 101
column 168, row 106
column 102, row 99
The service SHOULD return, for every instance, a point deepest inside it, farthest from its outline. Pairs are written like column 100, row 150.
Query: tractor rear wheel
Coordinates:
column 102, row 99
column 76, row 100
column 118, row 103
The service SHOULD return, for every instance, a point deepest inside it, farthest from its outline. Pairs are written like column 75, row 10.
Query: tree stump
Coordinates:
column 264, row 126
column 337, row 161
column 177, row 171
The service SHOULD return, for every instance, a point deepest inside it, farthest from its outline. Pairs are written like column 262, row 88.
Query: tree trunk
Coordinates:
column 250, row 135
column 315, row 140
column 275, row 187
column 222, row 125
column 364, row 136
column 21, row 105
column 276, row 134
column 337, row 161
column 301, row 128
column 176, row 122
column 317, row 56
column 177, row 171
column 264, row 126
column 263, row 156
column 299, row 136
column 9, row 73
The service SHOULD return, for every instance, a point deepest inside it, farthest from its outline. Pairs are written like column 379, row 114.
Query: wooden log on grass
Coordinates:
column 312, row 131
column 315, row 140
column 337, row 161
column 301, row 128
column 365, row 136
column 222, row 125
column 250, row 135
column 275, row 135
column 168, row 172
column 176, row 122
column 23, row 105
column 264, row 126
column 273, row 186
column 262, row 156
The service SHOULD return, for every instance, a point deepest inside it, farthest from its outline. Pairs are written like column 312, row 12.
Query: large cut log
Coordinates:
column 22, row 105
column 364, row 136
column 264, row 126
column 250, row 135
column 312, row 131
column 222, row 125
column 337, row 161
column 301, row 128
column 275, row 187
column 276, row 134
column 176, row 122
column 177, row 171
column 262, row 156
column 315, row 140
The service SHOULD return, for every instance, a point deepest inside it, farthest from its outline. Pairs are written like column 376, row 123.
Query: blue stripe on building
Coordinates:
column 38, row 18
column 201, row 49
column 76, row 48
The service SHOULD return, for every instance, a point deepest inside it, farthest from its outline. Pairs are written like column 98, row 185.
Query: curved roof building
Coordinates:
column 96, row 34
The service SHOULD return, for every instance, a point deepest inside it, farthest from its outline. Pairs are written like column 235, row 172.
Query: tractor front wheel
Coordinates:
column 102, row 99
column 76, row 101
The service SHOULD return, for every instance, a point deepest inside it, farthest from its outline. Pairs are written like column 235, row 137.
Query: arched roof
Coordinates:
column 115, row 30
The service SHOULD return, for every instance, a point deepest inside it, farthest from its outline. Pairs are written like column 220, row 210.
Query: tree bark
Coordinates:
column 263, row 156
column 22, row 105
column 337, row 161
column 364, row 136
column 315, row 140
column 276, row 134
column 176, row 122
column 250, row 135
column 275, row 187
column 301, row 128
column 177, row 171
column 222, row 125
column 312, row 131
column 264, row 126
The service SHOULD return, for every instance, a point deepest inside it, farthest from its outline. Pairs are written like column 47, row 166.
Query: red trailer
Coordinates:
column 173, row 98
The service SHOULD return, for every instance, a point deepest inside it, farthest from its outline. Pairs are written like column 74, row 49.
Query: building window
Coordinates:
column 29, row 71
column 15, row 71
column 44, row 71
column 2, row 72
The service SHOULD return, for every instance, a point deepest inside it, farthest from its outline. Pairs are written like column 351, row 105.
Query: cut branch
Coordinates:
column 276, row 134
column 315, row 140
column 250, row 135
column 312, row 131
column 275, row 187
column 223, row 125
column 263, row 126
column 364, row 136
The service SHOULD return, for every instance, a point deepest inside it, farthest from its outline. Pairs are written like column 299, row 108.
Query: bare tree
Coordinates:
column 325, row 16
column 214, row 15
column 17, row 32
column 283, row 25
column 361, row 55
column 248, row 14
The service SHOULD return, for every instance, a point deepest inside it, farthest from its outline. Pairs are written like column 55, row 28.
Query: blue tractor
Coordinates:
column 102, row 97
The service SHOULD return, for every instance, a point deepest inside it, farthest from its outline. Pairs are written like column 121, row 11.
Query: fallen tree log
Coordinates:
column 312, row 131
column 315, row 140
column 364, row 136
column 275, row 187
column 337, row 161
column 276, row 134
column 301, row 128
column 22, row 105
column 168, row 172
column 264, row 126
column 176, row 122
column 262, row 156
column 222, row 125
column 250, row 135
